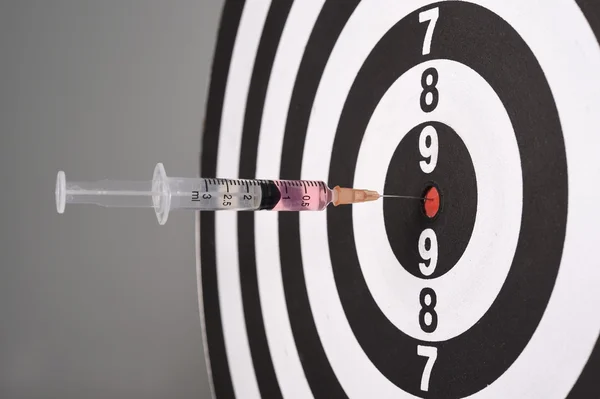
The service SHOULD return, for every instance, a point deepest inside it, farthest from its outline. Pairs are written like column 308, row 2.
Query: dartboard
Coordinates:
column 494, row 105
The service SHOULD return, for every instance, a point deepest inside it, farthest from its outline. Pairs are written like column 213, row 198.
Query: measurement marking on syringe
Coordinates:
column 206, row 184
column 247, row 188
column 227, row 184
column 304, row 184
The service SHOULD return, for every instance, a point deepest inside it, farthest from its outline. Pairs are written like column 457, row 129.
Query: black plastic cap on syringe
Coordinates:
column 270, row 195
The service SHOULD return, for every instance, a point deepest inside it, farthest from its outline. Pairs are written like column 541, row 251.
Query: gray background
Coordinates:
column 98, row 302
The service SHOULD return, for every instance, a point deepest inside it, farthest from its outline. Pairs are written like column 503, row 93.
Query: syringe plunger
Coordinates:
column 154, row 194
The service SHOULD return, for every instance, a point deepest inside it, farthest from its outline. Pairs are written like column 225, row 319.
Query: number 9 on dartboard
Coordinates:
column 486, row 288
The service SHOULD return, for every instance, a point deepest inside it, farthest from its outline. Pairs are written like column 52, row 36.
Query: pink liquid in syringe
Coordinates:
column 302, row 195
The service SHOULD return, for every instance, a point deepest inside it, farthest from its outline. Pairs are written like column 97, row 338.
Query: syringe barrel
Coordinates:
column 248, row 194
column 302, row 195
column 214, row 194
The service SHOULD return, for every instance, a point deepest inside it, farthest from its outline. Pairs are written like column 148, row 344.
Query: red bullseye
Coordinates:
column 431, row 205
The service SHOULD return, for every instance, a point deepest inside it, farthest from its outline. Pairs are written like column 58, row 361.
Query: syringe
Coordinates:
column 164, row 194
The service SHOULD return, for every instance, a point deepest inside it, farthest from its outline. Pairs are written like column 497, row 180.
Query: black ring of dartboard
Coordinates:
column 476, row 37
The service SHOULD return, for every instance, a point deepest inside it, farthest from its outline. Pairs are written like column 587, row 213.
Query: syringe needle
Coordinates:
column 354, row 196
column 404, row 197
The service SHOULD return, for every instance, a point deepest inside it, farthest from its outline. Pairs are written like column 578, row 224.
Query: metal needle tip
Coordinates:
column 403, row 196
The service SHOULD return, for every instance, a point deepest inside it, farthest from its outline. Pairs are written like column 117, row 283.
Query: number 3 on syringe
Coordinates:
column 428, row 148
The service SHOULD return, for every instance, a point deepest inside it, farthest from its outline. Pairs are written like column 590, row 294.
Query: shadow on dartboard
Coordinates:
column 492, row 106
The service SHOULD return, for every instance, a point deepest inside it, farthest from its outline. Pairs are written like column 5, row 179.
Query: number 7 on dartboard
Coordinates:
column 430, row 16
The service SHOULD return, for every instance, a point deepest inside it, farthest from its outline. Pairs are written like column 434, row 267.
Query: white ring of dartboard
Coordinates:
column 493, row 102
